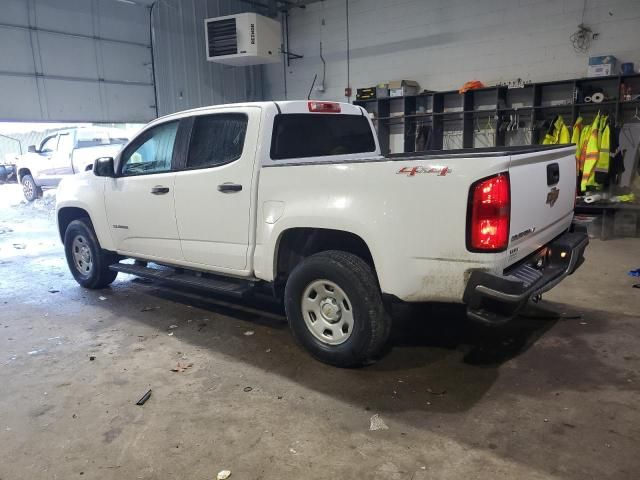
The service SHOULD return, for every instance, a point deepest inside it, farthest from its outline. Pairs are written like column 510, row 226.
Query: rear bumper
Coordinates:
column 494, row 300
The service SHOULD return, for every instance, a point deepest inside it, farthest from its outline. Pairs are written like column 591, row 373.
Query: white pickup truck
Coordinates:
column 295, row 196
column 65, row 152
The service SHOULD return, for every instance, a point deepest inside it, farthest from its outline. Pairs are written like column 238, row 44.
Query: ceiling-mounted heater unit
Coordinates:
column 243, row 39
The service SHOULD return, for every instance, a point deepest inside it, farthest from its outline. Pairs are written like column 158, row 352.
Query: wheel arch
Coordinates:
column 296, row 243
column 66, row 215
column 22, row 171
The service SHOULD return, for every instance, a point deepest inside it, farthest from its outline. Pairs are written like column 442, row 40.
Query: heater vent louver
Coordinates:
column 222, row 37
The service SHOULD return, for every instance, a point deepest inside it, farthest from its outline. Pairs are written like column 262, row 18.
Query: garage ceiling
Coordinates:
column 75, row 60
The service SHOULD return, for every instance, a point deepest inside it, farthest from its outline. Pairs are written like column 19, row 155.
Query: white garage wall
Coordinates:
column 75, row 60
column 444, row 43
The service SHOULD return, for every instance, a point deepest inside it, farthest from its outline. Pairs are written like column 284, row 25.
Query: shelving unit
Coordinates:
column 478, row 118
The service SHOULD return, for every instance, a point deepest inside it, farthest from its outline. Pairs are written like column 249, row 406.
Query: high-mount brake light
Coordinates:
column 323, row 107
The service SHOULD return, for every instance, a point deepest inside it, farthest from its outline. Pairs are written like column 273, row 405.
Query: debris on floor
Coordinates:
column 92, row 358
column 248, row 333
column 170, row 334
column 293, row 451
column 148, row 309
column 376, row 423
column 144, row 398
column 437, row 393
column 171, row 327
column 247, row 389
column 181, row 367
column 19, row 246
column 102, row 298
column 223, row 474
column 53, row 290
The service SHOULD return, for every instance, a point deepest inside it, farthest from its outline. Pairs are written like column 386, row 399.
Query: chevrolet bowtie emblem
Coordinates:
column 552, row 196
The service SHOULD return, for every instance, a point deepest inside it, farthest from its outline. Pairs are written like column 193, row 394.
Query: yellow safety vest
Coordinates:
column 559, row 134
column 602, row 166
column 564, row 135
column 582, row 146
column 592, row 154
column 575, row 139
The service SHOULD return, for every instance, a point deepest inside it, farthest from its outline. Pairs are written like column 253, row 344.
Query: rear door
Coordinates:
column 61, row 159
column 543, row 189
column 140, row 200
column 213, row 189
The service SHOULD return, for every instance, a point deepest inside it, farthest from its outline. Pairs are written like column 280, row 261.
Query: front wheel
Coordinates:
column 30, row 190
column 335, row 309
column 88, row 264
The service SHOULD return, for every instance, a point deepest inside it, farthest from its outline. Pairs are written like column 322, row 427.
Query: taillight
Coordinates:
column 326, row 107
column 488, row 214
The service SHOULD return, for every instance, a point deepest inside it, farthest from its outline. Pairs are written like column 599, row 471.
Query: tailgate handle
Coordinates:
column 553, row 174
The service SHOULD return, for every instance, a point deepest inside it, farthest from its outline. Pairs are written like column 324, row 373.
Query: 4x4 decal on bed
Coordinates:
column 441, row 170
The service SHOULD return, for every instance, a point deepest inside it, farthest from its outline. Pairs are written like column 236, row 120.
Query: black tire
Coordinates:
column 30, row 190
column 94, row 271
column 371, row 323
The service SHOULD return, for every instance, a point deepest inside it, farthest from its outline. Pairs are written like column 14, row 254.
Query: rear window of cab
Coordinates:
column 304, row 135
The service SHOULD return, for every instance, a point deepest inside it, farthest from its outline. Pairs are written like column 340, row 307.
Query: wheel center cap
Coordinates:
column 330, row 309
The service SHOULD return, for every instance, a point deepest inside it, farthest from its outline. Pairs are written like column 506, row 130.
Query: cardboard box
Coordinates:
column 602, row 66
column 372, row 93
column 600, row 70
column 603, row 60
column 402, row 88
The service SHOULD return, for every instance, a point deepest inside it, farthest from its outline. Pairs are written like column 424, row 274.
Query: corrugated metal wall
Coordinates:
column 184, row 78
column 75, row 60
column 90, row 60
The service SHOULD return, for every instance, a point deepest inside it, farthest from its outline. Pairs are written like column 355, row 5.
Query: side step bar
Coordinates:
column 230, row 288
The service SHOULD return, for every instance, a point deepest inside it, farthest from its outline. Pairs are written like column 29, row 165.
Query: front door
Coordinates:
column 213, row 190
column 47, row 175
column 140, row 200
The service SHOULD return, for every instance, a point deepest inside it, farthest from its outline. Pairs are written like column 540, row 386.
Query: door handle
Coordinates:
column 159, row 190
column 229, row 187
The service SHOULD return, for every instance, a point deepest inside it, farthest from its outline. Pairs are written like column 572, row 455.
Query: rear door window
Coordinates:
column 303, row 135
column 216, row 139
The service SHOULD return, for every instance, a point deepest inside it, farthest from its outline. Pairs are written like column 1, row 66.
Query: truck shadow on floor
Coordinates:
column 434, row 351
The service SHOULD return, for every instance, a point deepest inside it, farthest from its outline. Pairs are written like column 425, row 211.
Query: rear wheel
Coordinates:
column 88, row 263
column 30, row 190
column 335, row 309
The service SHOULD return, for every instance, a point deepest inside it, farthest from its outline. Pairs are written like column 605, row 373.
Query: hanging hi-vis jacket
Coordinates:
column 602, row 166
column 585, row 135
column 575, row 139
column 559, row 134
column 596, row 156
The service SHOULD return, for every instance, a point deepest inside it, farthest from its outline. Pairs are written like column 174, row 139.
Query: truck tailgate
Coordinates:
column 543, row 187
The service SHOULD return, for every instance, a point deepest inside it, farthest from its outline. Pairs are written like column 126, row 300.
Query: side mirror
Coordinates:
column 103, row 167
column 32, row 149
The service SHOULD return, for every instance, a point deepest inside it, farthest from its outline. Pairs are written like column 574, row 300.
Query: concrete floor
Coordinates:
column 555, row 397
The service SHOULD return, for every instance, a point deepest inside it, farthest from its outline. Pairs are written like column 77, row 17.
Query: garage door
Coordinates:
column 76, row 61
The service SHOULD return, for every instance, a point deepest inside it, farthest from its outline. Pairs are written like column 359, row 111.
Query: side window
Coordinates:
column 216, row 139
column 49, row 145
column 151, row 152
